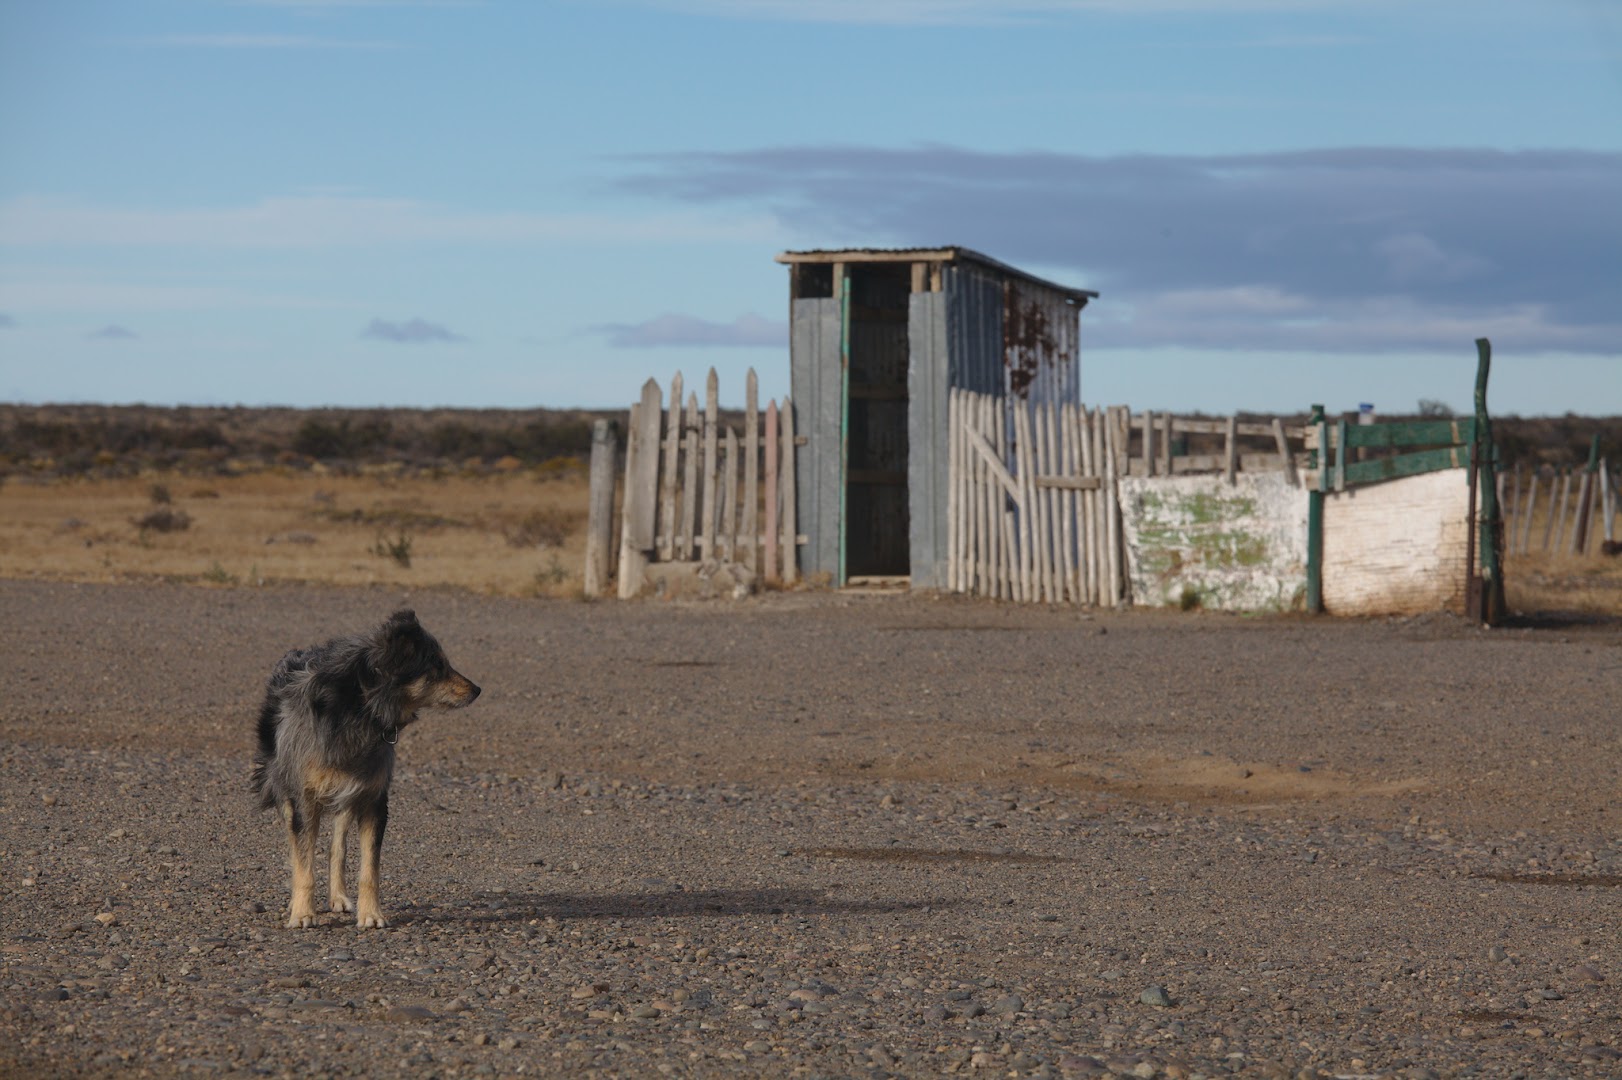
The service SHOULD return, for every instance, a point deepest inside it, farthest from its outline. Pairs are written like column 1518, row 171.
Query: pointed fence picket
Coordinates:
column 694, row 490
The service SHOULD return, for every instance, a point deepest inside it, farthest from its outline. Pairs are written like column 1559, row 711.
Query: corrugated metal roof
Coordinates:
column 950, row 253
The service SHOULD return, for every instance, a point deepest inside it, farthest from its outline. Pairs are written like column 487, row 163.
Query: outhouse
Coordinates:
column 878, row 338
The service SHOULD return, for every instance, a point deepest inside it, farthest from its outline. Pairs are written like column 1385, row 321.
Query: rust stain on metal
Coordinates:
column 1028, row 341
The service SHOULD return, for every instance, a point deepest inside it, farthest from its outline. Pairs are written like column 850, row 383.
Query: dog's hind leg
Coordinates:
column 371, row 821
column 303, row 823
column 337, row 898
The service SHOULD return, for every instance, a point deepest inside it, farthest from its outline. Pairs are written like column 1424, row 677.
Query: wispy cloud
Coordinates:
column 409, row 332
column 1372, row 247
column 258, row 41
column 6, row 321
column 324, row 221
column 38, row 288
column 684, row 330
column 113, row 332
column 967, row 12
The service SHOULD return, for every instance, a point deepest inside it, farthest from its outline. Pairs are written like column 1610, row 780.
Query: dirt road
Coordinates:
column 824, row 835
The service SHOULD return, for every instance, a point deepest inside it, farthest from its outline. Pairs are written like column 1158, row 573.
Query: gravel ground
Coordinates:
column 824, row 835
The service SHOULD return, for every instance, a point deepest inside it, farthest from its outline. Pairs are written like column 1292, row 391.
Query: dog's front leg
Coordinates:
column 303, row 824
column 337, row 898
column 371, row 822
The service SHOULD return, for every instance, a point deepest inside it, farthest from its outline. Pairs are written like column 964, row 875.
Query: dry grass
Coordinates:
column 516, row 533
column 1548, row 578
column 519, row 533
column 1584, row 584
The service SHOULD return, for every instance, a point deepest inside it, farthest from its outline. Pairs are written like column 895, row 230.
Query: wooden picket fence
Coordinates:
column 1032, row 513
column 1553, row 510
column 697, row 491
column 1033, row 507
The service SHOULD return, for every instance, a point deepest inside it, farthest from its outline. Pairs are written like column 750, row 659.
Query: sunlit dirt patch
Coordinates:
column 920, row 855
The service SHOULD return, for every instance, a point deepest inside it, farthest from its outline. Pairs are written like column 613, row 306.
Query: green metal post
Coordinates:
column 1315, row 518
column 1492, row 578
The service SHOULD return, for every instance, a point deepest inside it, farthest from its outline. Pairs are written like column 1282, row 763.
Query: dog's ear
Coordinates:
column 399, row 642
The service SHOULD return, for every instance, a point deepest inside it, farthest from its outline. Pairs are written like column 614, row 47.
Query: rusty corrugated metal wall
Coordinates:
column 1039, row 330
column 985, row 330
column 993, row 334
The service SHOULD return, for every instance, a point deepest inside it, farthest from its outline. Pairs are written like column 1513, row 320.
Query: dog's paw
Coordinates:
column 340, row 902
column 371, row 920
column 298, row 921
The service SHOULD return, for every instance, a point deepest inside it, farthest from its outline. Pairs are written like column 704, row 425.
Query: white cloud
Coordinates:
column 409, row 332
column 684, row 330
column 324, row 221
column 1414, row 258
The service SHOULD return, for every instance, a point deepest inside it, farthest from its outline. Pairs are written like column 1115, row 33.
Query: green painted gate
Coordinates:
column 1422, row 446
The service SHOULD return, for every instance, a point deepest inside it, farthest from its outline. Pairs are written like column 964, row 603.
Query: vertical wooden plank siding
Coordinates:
column 1560, row 516
column 727, row 534
column 600, row 511
column 1531, row 509
column 1286, row 462
column 1580, row 513
column 985, row 544
column 769, row 543
column 1067, row 500
column 751, row 472
column 1608, row 505
column 641, row 490
column 953, row 477
column 689, row 487
column 1087, row 526
column 712, row 392
column 790, row 540
column 1104, row 454
column 1026, row 520
column 667, row 480
column 1113, row 524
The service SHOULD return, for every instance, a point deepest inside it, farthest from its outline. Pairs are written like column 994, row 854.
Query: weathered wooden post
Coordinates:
column 1492, row 533
column 600, row 512
column 1585, row 501
column 770, row 541
column 1315, row 514
column 641, row 491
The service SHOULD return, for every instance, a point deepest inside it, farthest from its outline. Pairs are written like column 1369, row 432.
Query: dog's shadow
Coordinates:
column 674, row 904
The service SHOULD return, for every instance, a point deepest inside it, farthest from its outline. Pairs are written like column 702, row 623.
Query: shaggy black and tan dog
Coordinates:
column 327, row 731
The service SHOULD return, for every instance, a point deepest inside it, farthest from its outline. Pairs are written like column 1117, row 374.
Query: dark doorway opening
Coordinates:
column 876, row 516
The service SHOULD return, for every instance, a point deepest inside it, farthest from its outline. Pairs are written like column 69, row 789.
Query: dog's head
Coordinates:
column 410, row 659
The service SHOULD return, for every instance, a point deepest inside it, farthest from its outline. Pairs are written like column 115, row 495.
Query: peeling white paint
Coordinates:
column 1238, row 547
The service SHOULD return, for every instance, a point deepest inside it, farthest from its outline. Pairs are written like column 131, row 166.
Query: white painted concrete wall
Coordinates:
column 1238, row 548
column 1399, row 547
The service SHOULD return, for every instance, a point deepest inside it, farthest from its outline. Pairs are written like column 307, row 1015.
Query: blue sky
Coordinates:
column 370, row 202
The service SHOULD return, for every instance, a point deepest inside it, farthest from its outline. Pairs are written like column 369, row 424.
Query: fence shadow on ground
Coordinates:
column 673, row 904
